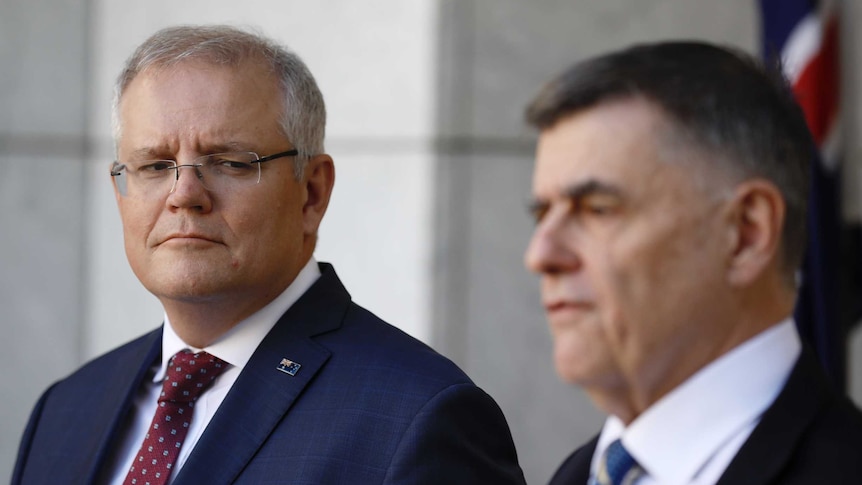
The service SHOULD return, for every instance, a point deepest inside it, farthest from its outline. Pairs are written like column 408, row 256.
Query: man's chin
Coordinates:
column 569, row 368
column 580, row 362
column 187, row 285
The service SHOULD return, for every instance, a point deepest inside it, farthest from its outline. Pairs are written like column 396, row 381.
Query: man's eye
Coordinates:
column 233, row 165
column 538, row 211
column 155, row 167
column 597, row 206
column 598, row 209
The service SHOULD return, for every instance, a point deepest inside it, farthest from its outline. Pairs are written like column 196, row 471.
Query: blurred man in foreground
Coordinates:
column 670, row 190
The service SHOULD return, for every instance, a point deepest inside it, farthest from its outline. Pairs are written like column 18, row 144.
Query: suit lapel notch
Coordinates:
column 114, row 408
column 255, row 405
column 283, row 365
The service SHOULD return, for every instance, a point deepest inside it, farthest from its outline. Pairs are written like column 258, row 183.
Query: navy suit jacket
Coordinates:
column 810, row 435
column 369, row 405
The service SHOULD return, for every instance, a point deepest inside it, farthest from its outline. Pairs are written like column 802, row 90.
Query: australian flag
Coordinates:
column 803, row 34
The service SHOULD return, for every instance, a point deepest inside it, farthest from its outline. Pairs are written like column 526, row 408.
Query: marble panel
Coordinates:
column 373, row 60
column 44, row 61
column 508, row 48
column 41, row 284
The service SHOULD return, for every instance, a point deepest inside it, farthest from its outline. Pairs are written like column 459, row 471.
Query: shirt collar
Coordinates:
column 673, row 443
column 238, row 344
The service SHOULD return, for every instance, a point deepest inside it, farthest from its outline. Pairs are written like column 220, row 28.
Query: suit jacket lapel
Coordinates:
column 576, row 468
column 771, row 444
column 263, row 394
column 108, row 416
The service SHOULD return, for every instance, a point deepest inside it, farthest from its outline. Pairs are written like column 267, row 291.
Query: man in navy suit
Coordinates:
column 221, row 182
column 670, row 190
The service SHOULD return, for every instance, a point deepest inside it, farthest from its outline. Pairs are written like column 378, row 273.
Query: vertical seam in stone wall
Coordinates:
column 451, row 231
column 84, row 289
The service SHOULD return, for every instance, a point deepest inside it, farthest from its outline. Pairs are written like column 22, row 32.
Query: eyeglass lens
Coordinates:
column 219, row 173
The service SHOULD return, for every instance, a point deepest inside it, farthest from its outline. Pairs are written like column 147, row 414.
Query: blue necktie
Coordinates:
column 617, row 466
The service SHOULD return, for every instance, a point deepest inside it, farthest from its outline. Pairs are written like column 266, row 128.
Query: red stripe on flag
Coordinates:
column 817, row 86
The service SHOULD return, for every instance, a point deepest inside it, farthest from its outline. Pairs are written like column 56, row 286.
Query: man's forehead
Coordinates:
column 616, row 145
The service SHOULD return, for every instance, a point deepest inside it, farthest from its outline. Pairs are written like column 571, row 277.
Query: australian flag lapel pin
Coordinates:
column 289, row 367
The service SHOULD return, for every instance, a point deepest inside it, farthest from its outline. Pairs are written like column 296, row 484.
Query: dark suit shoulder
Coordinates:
column 809, row 435
column 356, row 337
column 575, row 470
column 830, row 448
column 127, row 354
column 403, row 412
column 370, row 343
column 459, row 436
column 71, row 427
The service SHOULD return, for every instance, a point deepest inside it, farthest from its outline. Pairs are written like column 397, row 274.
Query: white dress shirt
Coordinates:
column 234, row 347
column 690, row 436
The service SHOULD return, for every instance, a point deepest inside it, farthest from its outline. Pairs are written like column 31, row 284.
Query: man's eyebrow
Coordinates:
column 589, row 187
column 576, row 192
column 157, row 152
column 147, row 153
column 231, row 146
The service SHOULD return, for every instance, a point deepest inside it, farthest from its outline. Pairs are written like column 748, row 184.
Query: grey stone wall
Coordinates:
column 42, row 144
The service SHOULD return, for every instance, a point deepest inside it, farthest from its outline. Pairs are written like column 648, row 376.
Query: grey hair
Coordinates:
column 303, row 121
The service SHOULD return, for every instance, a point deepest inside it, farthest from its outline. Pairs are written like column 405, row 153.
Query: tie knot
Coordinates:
column 617, row 466
column 189, row 375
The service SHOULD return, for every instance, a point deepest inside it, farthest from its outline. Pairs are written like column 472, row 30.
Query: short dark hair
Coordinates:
column 722, row 99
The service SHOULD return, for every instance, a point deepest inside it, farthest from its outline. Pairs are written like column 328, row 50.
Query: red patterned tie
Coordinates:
column 188, row 376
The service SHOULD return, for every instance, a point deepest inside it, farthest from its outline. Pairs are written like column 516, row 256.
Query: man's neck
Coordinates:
column 650, row 382
column 202, row 322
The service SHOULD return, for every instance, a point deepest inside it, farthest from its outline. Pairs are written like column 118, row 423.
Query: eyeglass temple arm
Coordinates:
column 289, row 153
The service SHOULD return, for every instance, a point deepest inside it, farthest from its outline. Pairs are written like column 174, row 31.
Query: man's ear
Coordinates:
column 319, row 178
column 756, row 214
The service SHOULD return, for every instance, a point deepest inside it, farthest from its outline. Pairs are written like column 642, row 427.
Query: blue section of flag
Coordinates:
column 819, row 307
column 778, row 19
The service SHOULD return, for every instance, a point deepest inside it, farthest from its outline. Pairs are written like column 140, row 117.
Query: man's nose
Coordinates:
column 195, row 175
column 189, row 190
column 552, row 248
